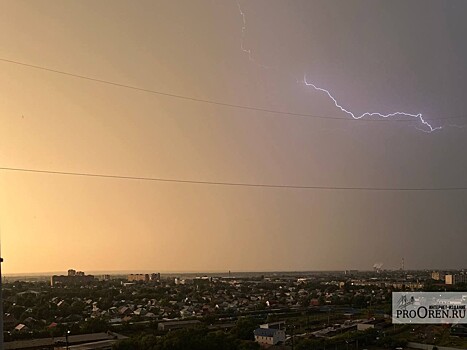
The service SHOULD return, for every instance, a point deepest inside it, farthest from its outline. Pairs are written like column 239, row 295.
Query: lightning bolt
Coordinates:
column 428, row 127
column 242, row 41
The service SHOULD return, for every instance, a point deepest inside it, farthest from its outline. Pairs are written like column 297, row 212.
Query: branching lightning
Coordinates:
column 457, row 126
column 427, row 127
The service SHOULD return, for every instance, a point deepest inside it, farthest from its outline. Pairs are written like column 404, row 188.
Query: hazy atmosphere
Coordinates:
column 373, row 56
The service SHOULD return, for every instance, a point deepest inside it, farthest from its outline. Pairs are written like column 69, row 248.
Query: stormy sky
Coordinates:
column 372, row 56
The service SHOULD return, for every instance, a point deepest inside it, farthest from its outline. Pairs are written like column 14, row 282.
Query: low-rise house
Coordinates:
column 140, row 312
column 124, row 310
column 21, row 328
column 269, row 336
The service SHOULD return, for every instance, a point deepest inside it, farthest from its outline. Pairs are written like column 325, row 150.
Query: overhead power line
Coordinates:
column 207, row 101
column 231, row 184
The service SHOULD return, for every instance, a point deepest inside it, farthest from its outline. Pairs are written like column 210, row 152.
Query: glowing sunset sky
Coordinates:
column 373, row 55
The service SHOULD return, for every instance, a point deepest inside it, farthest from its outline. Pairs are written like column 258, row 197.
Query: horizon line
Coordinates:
column 168, row 272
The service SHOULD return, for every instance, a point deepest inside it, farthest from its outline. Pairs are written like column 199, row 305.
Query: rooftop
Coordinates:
column 265, row 332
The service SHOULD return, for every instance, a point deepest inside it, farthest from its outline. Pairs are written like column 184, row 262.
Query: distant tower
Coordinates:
column 403, row 265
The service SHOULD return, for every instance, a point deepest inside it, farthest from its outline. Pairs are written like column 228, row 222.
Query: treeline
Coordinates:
column 193, row 339
column 354, row 340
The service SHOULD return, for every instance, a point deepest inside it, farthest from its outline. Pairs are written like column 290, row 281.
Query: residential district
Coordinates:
column 295, row 310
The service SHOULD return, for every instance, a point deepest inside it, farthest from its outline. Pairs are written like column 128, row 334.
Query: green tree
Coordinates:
column 95, row 325
column 244, row 328
column 127, row 344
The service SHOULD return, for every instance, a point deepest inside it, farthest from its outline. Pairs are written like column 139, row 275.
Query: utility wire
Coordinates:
column 200, row 100
column 215, row 183
column 232, row 184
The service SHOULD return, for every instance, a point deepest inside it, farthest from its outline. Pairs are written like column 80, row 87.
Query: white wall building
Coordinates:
column 269, row 336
